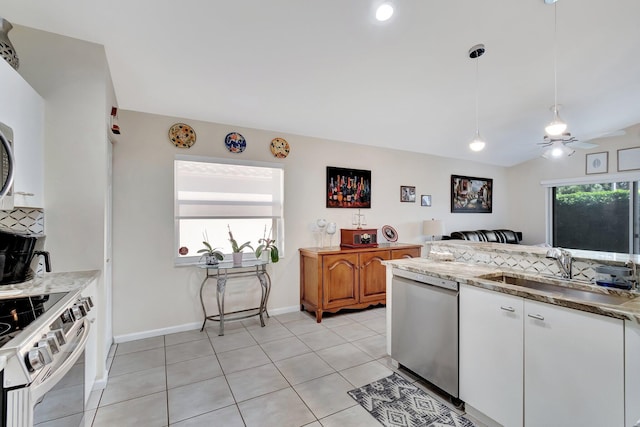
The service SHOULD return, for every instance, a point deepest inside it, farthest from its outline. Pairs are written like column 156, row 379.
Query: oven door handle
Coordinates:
column 39, row 390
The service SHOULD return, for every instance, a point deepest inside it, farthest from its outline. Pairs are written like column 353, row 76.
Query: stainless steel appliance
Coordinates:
column 424, row 327
column 7, row 164
column 42, row 339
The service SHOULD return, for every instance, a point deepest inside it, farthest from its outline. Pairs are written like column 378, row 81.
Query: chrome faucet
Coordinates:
column 564, row 259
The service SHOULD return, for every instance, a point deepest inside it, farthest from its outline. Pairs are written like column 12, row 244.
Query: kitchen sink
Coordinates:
column 555, row 289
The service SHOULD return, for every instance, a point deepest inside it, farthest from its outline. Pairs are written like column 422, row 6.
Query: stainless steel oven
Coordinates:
column 43, row 352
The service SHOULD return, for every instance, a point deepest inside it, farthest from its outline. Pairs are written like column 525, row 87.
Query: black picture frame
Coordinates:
column 471, row 194
column 407, row 193
column 348, row 188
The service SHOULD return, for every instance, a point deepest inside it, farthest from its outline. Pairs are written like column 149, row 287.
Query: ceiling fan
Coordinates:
column 562, row 145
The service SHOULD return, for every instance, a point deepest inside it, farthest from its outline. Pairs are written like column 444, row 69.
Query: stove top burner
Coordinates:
column 17, row 313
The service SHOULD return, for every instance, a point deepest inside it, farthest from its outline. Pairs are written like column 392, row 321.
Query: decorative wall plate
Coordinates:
column 280, row 148
column 390, row 233
column 182, row 136
column 235, row 142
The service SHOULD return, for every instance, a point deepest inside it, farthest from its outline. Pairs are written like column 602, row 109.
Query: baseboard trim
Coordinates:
column 119, row 339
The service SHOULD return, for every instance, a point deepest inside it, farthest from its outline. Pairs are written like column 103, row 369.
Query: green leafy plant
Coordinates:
column 209, row 250
column 234, row 245
column 268, row 244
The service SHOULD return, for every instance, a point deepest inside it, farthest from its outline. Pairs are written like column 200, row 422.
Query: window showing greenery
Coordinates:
column 594, row 216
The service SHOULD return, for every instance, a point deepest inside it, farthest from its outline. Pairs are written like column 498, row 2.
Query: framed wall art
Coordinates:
column 628, row 159
column 348, row 188
column 425, row 200
column 407, row 193
column 471, row 194
column 597, row 163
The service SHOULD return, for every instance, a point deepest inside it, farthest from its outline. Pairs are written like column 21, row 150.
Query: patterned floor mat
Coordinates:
column 395, row 402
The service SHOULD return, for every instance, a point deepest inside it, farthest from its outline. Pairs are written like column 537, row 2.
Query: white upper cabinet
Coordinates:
column 22, row 109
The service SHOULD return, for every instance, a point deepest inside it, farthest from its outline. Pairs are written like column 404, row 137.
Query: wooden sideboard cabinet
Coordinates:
column 333, row 278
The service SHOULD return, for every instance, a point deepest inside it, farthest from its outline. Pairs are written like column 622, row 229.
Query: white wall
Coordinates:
column 527, row 196
column 73, row 78
column 150, row 293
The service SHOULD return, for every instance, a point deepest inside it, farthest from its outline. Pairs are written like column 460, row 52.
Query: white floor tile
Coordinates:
column 138, row 361
column 282, row 408
column 139, row 345
column 285, row 348
column 234, row 341
column 321, row 339
column 254, row 382
column 133, row 385
column 225, row 417
column 186, row 336
column 366, row 373
column 193, row 370
column 356, row 416
column 344, row 356
column 189, row 350
column 243, row 358
column 198, row 398
column 149, row 410
column 326, row 395
column 303, row 368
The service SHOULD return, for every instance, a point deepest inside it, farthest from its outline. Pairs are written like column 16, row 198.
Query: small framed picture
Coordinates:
column 407, row 194
column 425, row 200
column 597, row 163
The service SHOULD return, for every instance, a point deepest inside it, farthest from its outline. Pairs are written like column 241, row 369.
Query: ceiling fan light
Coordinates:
column 556, row 127
column 384, row 11
column 557, row 150
column 477, row 144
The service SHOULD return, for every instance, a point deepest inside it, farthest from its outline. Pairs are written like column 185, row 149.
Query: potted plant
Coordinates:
column 211, row 256
column 237, row 249
column 267, row 244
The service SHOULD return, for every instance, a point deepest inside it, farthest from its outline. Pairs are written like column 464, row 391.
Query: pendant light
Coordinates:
column 478, row 143
column 557, row 125
column 384, row 11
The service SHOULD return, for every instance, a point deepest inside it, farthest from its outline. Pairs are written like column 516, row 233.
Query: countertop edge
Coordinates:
column 467, row 274
column 50, row 283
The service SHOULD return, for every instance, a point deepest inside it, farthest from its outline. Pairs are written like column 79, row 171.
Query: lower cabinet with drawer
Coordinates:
column 524, row 362
column 333, row 279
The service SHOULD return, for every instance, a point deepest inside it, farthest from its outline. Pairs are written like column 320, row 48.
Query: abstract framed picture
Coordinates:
column 425, row 200
column 471, row 195
column 597, row 163
column 348, row 188
column 407, row 193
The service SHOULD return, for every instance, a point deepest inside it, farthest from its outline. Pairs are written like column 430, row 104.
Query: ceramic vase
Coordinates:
column 7, row 51
column 210, row 260
column 237, row 258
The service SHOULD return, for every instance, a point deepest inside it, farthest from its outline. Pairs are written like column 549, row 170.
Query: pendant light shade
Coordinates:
column 478, row 143
column 384, row 11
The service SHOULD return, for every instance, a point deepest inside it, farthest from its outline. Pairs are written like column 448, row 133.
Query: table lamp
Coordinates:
column 433, row 227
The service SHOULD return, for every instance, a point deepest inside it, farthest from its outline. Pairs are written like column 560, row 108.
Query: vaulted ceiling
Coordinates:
column 328, row 69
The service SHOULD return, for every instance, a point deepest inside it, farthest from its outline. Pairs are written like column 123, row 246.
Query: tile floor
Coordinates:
column 292, row 372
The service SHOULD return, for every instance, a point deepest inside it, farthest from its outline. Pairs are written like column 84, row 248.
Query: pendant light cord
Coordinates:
column 555, row 58
column 477, row 97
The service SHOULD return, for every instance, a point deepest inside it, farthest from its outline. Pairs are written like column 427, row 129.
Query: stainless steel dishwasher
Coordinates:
column 424, row 327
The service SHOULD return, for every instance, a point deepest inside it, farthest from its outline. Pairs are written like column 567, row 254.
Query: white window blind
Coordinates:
column 213, row 195
column 220, row 190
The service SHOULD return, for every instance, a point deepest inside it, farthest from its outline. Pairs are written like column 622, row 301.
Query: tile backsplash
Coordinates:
column 29, row 220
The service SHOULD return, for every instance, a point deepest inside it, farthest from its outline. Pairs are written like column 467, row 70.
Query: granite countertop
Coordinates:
column 469, row 274
column 50, row 283
column 541, row 251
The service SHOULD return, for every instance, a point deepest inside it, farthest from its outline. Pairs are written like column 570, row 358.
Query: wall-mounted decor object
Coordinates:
column 407, row 193
column 7, row 51
column 390, row 233
column 628, row 159
column 115, row 129
column 280, row 148
column 597, row 163
column 425, row 200
column 182, row 135
column 471, row 195
column 348, row 188
column 235, row 142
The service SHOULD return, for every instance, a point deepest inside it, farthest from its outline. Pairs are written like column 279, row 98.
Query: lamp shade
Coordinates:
column 433, row 227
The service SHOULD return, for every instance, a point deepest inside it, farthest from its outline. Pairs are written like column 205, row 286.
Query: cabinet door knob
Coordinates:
column 509, row 309
column 536, row 316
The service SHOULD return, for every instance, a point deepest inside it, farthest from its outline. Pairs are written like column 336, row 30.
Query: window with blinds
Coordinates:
column 215, row 195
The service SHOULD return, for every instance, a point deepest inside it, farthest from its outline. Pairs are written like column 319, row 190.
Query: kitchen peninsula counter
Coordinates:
column 468, row 273
column 50, row 283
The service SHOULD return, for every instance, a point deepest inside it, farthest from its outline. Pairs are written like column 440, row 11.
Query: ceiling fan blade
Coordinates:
column 581, row 145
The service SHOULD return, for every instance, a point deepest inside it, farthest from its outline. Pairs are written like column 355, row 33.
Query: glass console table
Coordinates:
column 227, row 270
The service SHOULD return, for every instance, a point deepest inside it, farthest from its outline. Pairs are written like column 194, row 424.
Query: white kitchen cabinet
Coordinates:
column 541, row 364
column 22, row 109
column 491, row 353
column 574, row 367
column 632, row 373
